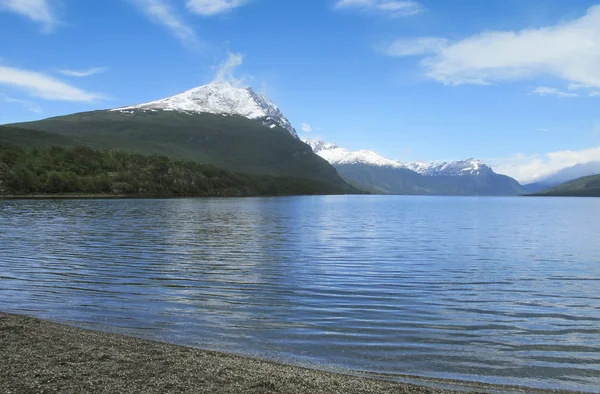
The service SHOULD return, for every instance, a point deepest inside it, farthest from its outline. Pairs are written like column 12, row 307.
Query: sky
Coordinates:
column 515, row 83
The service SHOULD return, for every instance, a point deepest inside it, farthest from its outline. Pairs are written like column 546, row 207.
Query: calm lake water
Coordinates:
column 498, row 290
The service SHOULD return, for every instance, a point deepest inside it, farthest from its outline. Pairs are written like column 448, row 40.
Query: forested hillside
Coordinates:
column 82, row 170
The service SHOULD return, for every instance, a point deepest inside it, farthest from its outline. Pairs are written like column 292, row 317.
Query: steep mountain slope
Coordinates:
column 563, row 176
column 233, row 129
column 369, row 171
column 14, row 136
column 588, row 186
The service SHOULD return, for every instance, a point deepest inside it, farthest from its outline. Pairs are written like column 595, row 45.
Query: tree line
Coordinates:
column 82, row 170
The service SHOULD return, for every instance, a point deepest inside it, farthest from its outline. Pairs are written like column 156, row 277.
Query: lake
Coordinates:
column 495, row 290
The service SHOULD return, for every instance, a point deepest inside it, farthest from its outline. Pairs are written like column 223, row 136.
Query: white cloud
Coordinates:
column 161, row 12
column 575, row 86
column 37, row 10
column 83, row 73
column 419, row 46
column 392, row 8
column 594, row 93
column 213, row 7
column 527, row 169
column 225, row 70
column 306, row 127
column 546, row 91
column 569, row 51
column 29, row 105
column 44, row 86
column 541, row 129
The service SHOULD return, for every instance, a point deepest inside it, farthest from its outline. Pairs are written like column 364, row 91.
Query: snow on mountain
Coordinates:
column 336, row 156
column 452, row 168
column 221, row 98
column 369, row 171
column 340, row 156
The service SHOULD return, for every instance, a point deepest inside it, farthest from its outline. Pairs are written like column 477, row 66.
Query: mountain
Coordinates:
column 367, row 170
column 453, row 168
column 564, row 175
column 588, row 186
column 234, row 129
column 337, row 156
column 223, row 99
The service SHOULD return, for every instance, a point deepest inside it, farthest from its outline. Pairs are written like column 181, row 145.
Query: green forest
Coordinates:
column 587, row 186
column 86, row 171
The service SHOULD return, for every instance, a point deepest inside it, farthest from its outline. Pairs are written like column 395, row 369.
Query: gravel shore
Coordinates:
column 38, row 356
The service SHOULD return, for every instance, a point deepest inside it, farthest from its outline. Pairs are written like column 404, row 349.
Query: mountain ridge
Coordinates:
column 370, row 171
column 335, row 154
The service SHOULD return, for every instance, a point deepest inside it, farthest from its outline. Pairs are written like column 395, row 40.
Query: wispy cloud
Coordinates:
column 225, row 70
column 546, row 91
column 162, row 13
column 531, row 168
column 29, row 105
column 44, row 86
column 418, row 46
column 576, row 86
column 569, row 51
column 82, row 73
column 213, row 7
column 38, row 11
column 392, row 8
column 306, row 127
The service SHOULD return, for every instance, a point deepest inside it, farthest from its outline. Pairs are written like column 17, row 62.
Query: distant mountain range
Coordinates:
column 564, row 175
column 367, row 170
column 241, row 131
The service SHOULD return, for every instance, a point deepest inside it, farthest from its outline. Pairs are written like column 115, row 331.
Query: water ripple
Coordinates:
column 497, row 290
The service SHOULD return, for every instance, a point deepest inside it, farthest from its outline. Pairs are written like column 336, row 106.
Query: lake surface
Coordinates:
column 497, row 290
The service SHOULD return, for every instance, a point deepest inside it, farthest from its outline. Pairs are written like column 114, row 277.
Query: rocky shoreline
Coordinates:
column 38, row 356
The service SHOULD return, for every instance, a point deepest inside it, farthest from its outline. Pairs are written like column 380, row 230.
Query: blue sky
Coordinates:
column 513, row 82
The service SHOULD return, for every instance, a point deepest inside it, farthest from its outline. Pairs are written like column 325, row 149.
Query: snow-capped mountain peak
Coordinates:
column 453, row 168
column 340, row 156
column 220, row 98
column 318, row 145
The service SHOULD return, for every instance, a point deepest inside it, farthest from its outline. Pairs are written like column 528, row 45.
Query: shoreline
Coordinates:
column 42, row 356
column 65, row 197
column 145, row 197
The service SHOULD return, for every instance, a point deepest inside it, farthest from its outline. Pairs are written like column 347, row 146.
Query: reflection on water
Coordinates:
column 499, row 290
